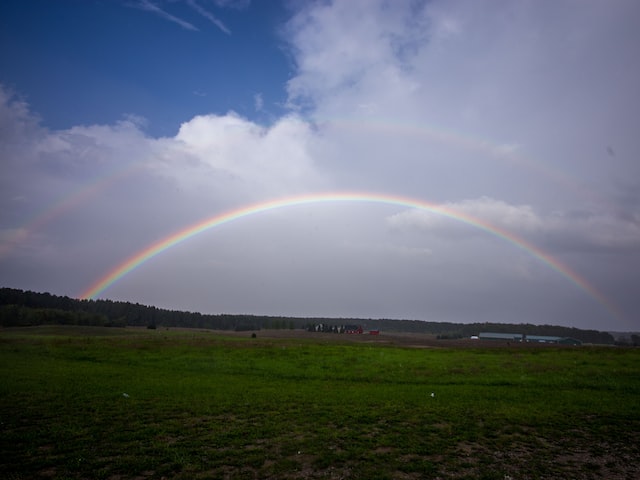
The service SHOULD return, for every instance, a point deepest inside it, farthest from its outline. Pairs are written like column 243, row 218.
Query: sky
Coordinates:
column 459, row 160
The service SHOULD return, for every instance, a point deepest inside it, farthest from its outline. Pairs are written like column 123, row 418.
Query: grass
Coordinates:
column 203, row 405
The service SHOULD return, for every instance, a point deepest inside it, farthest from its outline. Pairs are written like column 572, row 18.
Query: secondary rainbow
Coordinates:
column 174, row 239
column 485, row 146
column 66, row 203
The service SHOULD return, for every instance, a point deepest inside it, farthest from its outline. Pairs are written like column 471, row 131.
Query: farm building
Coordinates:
column 353, row 329
column 519, row 337
column 323, row 327
column 549, row 339
column 515, row 337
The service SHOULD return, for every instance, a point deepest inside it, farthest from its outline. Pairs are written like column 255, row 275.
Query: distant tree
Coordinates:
column 18, row 307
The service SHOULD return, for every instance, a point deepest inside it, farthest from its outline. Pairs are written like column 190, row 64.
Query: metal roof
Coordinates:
column 501, row 336
column 543, row 338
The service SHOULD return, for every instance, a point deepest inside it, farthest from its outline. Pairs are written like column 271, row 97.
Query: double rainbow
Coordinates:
column 178, row 237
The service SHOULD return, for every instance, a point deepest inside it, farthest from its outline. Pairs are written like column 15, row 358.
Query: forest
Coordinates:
column 27, row 308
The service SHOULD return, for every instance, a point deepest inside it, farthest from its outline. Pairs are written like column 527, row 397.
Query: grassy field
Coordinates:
column 84, row 403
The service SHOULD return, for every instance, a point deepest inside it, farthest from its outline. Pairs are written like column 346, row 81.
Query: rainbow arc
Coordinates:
column 166, row 243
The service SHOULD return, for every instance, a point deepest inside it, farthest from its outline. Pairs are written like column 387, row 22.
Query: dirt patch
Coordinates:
column 528, row 459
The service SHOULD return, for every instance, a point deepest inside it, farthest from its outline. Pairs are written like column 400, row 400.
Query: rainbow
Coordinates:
column 66, row 203
column 373, row 125
column 489, row 147
column 174, row 239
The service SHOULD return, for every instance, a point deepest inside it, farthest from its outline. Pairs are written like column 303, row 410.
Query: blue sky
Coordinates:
column 108, row 58
column 123, row 122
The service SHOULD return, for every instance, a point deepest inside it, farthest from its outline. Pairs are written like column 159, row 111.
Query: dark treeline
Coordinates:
column 26, row 308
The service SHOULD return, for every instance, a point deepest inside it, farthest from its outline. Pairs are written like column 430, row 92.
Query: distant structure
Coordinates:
column 521, row 337
column 324, row 328
column 353, row 329
column 548, row 339
column 512, row 337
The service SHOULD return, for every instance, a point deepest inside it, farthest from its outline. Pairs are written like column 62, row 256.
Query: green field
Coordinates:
column 84, row 403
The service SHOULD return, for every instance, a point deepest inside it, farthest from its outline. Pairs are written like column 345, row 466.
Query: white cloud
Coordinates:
column 350, row 46
column 557, row 231
column 255, row 160
column 102, row 177
column 516, row 218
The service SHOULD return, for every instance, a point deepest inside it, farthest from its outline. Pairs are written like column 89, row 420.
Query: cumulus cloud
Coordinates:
column 113, row 176
column 504, row 73
column 350, row 49
column 256, row 160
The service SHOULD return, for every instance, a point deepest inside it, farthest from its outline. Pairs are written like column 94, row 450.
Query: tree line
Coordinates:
column 27, row 308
